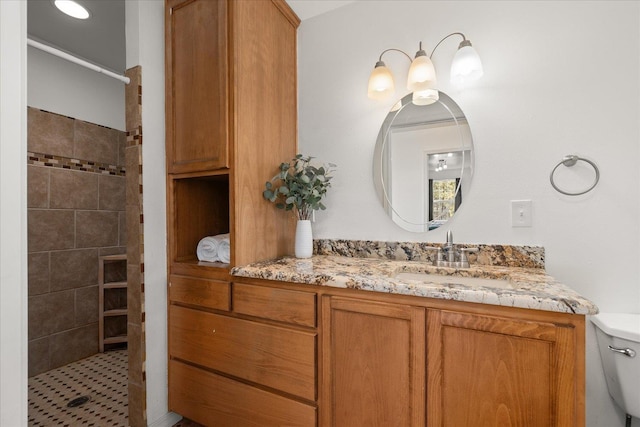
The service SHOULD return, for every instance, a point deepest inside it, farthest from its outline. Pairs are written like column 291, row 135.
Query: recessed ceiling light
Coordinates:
column 72, row 9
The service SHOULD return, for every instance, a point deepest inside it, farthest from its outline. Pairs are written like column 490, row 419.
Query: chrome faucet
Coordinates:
column 450, row 248
column 455, row 257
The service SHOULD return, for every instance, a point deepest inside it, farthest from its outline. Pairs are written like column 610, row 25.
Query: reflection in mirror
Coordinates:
column 423, row 163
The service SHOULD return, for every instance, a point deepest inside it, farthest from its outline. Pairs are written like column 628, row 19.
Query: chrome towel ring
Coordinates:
column 569, row 161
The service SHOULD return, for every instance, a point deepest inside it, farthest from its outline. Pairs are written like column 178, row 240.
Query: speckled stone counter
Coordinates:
column 489, row 255
column 527, row 287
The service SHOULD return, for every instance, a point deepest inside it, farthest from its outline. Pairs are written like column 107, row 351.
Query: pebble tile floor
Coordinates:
column 103, row 377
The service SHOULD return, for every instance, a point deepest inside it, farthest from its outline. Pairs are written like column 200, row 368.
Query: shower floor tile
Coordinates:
column 102, row 377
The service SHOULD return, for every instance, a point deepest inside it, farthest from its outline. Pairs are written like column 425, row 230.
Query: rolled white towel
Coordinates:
column 224, row 248
column 208, row 249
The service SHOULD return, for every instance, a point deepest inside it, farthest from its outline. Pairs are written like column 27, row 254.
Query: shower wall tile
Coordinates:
column 74, row 269
column 76, row 344
column 97, row 143
column 37, row 187
column 96, row 228
column 51, row 313
column 135, row 356
column 114, row 250
column 134, row 293
column 115, row 326
column 115, row 271
column 50, row 230
column 122, row 145
column 115, row 299
column 137, row 404
column 135, row 249
column 49, row 133
column 112, row 193
column 76, row 199
column 132, row 186
column 133, row 99
column 73, row 189
column 122, row 221
column 86, row 305
column 133, row 235
column 38, row 273
column 38, row 356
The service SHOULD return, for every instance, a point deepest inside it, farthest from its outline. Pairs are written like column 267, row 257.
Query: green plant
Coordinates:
column 299, row 185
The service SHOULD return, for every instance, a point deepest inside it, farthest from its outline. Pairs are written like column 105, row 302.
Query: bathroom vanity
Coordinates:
column 347, row 341
column 362, row 334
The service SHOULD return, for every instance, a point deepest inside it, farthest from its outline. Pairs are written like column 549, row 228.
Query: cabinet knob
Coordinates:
column 213, row 331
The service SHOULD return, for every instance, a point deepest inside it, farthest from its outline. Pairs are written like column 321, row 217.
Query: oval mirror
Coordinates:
column 423, row 163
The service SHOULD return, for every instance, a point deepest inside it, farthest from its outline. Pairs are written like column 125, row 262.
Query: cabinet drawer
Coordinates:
column 213, row 400
column 283, row 305
column 202, row 292
column 273, row 356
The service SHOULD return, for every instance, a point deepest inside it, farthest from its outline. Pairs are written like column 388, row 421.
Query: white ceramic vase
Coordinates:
column 304, row 239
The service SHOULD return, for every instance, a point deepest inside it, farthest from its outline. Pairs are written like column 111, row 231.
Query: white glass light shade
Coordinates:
column 381, row 84
column 466, row 65
column 422, row 74
column 72, row 9
column 425, row 97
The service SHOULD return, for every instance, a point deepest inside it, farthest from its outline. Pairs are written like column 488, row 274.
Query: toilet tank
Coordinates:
column 620, row 331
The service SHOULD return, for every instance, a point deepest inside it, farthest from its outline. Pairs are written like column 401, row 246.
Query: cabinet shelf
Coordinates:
column 115, row 285
column 208, row 270
column 116, row 312
column 116, row 290
column 115, row 340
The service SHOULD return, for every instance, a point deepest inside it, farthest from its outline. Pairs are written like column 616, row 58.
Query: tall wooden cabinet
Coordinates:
column 230, row 121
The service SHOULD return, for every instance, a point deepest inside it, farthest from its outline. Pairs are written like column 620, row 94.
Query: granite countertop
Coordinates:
column 529, row 288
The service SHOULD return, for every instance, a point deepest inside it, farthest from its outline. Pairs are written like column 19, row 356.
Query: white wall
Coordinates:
column 560, row 78
column 145, row 47
column 65, row 88
column 13, row 214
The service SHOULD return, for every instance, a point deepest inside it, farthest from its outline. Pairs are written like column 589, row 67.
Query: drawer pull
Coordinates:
column 626, row 351
column 213, row 331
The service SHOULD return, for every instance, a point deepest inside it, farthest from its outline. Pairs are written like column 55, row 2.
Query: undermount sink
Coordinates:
column 456, row 280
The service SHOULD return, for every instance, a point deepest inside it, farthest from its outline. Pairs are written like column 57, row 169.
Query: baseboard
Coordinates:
column 167, row 420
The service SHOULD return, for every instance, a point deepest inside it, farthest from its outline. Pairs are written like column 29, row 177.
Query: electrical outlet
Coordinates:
column 521, row 213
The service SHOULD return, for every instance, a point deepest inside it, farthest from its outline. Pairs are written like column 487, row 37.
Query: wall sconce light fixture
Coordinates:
column 421, row 79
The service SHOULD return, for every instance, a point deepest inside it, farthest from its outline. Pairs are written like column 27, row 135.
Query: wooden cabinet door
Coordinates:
column 373, row 364
column 494, row 371
column 197, row 111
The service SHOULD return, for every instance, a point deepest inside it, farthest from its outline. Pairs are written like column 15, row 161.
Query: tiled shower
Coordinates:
column 76, row 213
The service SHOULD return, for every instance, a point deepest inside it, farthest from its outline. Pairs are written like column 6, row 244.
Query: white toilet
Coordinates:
column 618, row 337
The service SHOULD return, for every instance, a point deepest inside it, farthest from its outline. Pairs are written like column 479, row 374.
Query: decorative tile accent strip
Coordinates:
column 134, row 137
column 490, row 255
column 48, row 160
